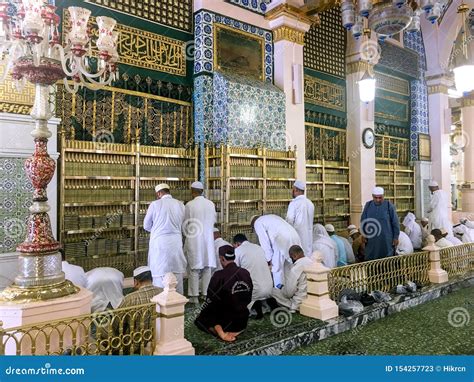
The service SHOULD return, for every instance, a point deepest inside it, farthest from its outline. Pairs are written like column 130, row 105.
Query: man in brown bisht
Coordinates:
column 225, row 313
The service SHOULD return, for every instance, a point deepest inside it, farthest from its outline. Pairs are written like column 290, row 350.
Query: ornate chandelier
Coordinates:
column 31, row 50
column 387, row 18
column 464, row 71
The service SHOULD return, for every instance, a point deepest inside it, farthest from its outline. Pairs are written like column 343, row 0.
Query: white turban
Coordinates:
column 329, row 228
column 433, row 183
column 377, row 191
column 300, row 185
column 161, row 186
column 138, row 271
column 216, row 230
column 197, row 186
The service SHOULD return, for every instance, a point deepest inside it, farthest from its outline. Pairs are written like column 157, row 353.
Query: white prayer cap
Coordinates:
column 330, row 228
column 433, row 183
column 377, row 191
column 300, row 185
column 216, row 229
column 161, row 186
column 351, row 227
column 197, row 185
column 353, row 231
column 425, row 220
column 141, row 270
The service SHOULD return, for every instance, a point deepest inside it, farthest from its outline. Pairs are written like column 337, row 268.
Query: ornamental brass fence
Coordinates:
column 124, row 331
column 382, row 274
column 458, row 260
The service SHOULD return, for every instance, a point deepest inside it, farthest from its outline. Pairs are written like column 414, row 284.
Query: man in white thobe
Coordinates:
column 465, row 234
column 405, row 246
column 73, row 273
column 164, row 220
column 425, row 231
column 296, row 286
column 301, row 216
column 275, row 236
column 198, row 228
column 440, row 240
column 413, row 230
column 252, row 258
column 468, row 223
column 439, row 209
column 106, row 285
column 218, row 243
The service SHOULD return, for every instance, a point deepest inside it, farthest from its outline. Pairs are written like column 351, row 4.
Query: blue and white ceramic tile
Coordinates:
column 204, row 41
column 257, row 6
column 16, row 194
column 419, row 93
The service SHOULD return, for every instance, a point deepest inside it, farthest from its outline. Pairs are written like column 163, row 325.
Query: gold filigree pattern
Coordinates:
column 13, row 101
column 393, row 116
column 324, row 93
column 324, row 48
column 173, row 13
column 392, row 84
column 143, row 49
column 288, row 34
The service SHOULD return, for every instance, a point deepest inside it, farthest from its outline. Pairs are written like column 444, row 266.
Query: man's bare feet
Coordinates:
column 224, row 336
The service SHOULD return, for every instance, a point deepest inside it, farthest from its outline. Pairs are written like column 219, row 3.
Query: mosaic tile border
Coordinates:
column 257, row 6
column 204, row 41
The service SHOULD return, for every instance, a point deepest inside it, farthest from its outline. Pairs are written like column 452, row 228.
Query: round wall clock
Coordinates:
column 368, row 138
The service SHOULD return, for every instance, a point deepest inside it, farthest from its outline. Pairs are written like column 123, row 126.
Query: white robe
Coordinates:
column 443, row 243
column 106, row 285
column 219, row 242
column 454, row 240
column 439, row 212
column 164, row 220
column 466, row 234
column 252, row 258
column 324, row 244
column 295, row 288
column 276, row 237
column 413, row 230
column 75, row 274
column 301, row 216
column 349, row 250
column 405, row 246
column 469, row 224
column 198, row 228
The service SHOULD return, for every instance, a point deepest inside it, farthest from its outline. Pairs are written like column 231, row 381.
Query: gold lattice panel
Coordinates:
column 13, row 101
column 174, row 13
column 324, row 48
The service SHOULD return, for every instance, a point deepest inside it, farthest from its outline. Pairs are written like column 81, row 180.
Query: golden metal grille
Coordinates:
column 324, row 45
column 174, row 13
column 324, row 93
column 458, row 260
column 393, row 149
column 124, row 331
column 382, row 274
column 392, row 84
column 12, row 101
column 323, row 142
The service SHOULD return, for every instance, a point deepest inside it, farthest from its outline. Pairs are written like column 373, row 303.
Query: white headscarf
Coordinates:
column 323, row 243
column 322, row 237
column 106, row 285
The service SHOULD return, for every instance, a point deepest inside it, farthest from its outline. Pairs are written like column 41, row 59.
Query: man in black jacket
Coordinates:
column 225, row 312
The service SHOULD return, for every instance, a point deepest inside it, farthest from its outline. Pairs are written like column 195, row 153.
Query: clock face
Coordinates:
column 368, row 138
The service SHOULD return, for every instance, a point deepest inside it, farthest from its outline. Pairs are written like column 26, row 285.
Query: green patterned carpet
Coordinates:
column 258, row 333
column 442, row 326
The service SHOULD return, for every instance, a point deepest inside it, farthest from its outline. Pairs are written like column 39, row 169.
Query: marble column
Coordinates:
column 289, row 26
column 423, row 195
column 467, row 190
column 440, row 128
column 360, row 116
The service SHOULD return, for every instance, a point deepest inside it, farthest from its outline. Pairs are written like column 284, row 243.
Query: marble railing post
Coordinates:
column 170, row 321
column 436, row 274
column 318, row 304
column 467, row 116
